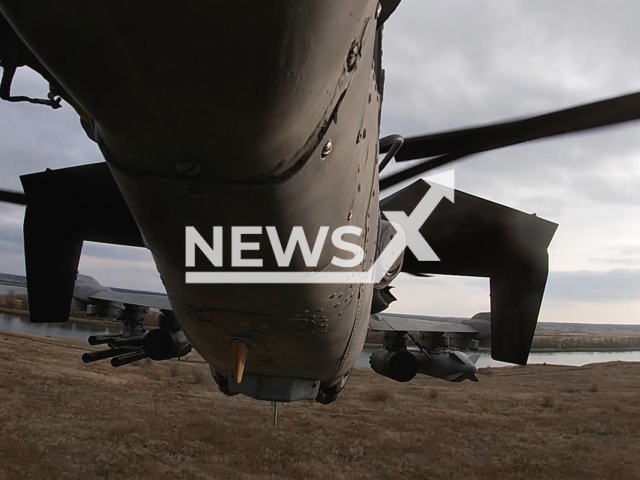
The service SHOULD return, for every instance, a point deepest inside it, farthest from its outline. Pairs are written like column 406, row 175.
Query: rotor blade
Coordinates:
column 480, row 139
column 447, row 147
column 8, row 196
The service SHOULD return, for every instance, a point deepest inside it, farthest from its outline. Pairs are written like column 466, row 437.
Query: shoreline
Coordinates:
column 116, row 324
column 86, row 321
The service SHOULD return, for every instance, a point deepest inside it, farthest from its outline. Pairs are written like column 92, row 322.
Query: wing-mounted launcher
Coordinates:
column 432, row 356
column 478, row 238
column 64, row 208
column 137, row 343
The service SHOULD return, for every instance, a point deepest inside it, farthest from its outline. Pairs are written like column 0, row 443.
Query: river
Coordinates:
column 552, row 358
column 80, row 331
column 68, row 330
column 4, row 289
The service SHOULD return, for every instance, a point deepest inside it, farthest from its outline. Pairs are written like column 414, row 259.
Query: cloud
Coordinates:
column 594, row 286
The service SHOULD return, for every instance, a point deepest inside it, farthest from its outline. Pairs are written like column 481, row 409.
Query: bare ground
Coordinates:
column 60, row 418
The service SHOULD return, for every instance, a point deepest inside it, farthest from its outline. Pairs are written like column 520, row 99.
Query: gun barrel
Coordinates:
column 102, row 354
column 128, row 358
column 134, row 340
column 102, row 339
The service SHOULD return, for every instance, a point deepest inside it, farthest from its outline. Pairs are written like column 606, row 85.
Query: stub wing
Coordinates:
column 161, row 302
column 395, row 322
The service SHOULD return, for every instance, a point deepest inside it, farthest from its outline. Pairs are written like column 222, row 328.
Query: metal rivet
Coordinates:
column 378, row 10
column 326, row 150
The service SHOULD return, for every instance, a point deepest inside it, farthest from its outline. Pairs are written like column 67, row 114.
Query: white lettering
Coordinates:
column 213, row 253
column 283, row 257
column 336, row 238
column 237, row 247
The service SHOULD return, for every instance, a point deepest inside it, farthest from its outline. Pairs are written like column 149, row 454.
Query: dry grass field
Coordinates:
column 60, row 418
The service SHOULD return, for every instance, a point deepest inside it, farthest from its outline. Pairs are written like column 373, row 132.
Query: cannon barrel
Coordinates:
column 134, row 340
column 101, row 339
column 102, row 354
column 128, row 358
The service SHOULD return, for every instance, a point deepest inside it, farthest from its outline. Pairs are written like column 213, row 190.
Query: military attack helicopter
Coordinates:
column 231, row 120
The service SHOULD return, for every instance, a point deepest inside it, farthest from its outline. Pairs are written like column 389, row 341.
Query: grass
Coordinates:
column 585, row 342
column 548, row 401
column 381, row 395
column 63, row 419
column 174, row 369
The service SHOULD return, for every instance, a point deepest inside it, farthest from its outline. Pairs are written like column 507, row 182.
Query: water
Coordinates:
column 551, row 358
column 4, row 289
column 68, row 330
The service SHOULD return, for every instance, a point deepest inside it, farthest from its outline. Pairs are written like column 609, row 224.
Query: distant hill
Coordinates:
column 10, row 278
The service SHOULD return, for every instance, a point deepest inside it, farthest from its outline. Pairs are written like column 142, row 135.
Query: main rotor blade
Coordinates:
column 604, row 113
column 450, row 146
column 8, row 196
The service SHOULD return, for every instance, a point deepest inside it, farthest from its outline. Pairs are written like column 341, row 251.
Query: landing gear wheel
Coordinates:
column 325, row 399
column 223, row 383
column 337, row 388
column 329, row 395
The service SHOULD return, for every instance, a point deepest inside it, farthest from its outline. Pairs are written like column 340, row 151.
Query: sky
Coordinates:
column 450, row 65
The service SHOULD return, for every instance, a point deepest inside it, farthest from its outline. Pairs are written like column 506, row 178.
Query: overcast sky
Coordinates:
column 452, row 64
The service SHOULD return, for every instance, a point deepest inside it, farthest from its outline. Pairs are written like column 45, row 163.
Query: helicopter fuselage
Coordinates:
column 235, row 115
